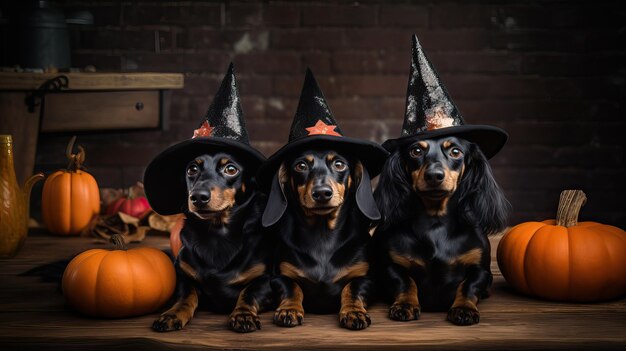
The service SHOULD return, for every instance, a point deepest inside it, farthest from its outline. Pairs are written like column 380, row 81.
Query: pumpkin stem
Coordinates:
column 118, row 241
column 570, row 203
column 75, row 160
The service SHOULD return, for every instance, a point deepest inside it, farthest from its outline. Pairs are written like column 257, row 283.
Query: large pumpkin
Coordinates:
column 565, row 260
column 119, row 283
column 70, row 197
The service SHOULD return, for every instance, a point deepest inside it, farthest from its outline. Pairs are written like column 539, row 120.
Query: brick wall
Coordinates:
column 552, row 73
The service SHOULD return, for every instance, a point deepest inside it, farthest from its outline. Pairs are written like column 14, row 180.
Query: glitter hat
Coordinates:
column 314, row 126
column 431, row 113
column 221, row 129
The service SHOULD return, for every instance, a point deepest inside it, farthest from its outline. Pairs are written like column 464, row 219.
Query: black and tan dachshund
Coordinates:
column 225, row 261
column 439, row 202
column 321, row 206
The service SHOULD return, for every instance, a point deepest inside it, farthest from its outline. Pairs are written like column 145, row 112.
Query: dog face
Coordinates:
column 320, row 180
column 436, row 166
column 213, row 183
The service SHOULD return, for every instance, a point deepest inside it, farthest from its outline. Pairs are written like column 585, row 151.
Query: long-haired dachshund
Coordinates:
column 439, row 202
column 225, row 261
column 323, row 208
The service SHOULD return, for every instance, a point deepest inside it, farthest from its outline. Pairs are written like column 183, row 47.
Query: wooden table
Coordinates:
column 33, row 316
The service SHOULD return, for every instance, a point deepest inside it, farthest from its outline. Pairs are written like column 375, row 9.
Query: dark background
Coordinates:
column 552, row 73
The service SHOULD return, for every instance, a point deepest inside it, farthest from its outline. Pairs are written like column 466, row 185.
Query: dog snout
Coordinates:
column 322, row 193
column 200, row 198
column 434, row 175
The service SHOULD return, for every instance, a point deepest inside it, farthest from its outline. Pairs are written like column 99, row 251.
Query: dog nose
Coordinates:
column 200, row 198
column 322, row 193
column 434, row 176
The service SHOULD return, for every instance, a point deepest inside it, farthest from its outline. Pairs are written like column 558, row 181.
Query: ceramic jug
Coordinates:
column 14, row 201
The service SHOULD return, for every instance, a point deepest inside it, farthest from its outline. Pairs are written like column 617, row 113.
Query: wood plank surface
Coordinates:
column 34, row 317
column 94, row 81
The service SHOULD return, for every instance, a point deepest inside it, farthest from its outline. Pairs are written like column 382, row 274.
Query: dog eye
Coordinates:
column 415, row 152
column 455, row 152
column 231, row 170
column 301, row 166
column 192, row 170
column 339, row 165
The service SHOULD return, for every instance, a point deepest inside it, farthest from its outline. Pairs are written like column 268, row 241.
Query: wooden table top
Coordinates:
column 34, row 316
column 94, row 81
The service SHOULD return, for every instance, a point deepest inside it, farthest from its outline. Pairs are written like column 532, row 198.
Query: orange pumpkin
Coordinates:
column 565, row 260
column 119, row 283
column 70, row 197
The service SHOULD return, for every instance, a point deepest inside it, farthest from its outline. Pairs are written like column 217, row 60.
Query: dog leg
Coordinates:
column 290, row 312
column 180, row 314
column 406, row 305
column 353, row 314
column 464, row 310
column 252, row 299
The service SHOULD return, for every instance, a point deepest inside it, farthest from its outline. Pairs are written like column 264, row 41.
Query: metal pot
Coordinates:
column 44, row 38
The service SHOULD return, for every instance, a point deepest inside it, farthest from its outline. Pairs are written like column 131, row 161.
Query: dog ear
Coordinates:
column 480, row 198
column 364, row 197
column 393, row 191
column 277, row 201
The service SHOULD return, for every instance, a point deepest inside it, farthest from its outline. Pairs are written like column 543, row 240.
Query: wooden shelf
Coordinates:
column 94, row 81
column 90, row 102
column 34, row 316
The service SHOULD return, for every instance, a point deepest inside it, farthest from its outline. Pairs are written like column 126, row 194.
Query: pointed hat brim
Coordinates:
column 372, row 155
column 490, row 139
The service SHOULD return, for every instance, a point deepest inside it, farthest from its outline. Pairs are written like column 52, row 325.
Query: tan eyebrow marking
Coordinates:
column 223, row 161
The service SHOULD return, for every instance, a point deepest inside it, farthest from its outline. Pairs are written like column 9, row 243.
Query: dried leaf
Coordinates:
column 163, row 223
column 128, row 219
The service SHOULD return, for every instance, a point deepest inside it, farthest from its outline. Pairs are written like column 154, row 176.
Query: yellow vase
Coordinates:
column 14, row 201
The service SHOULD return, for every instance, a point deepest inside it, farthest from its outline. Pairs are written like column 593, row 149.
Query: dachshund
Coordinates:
column 225, row 260
column 321, row 206
column 439, row 203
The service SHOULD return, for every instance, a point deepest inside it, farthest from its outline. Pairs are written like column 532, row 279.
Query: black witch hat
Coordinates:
column 314, row 126
column 431, row 113
column 222, row 128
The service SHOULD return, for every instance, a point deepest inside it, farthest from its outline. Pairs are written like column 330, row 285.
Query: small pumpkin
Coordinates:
column 70, row 197
column 132, row 205
column 565, row 260
column 119, row 283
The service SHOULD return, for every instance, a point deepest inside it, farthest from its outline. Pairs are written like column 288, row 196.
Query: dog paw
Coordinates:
column 355, row 320
column 288, row 317
column 404, row 312
column 463, row 316
column 244, row 322
column 167, row 322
